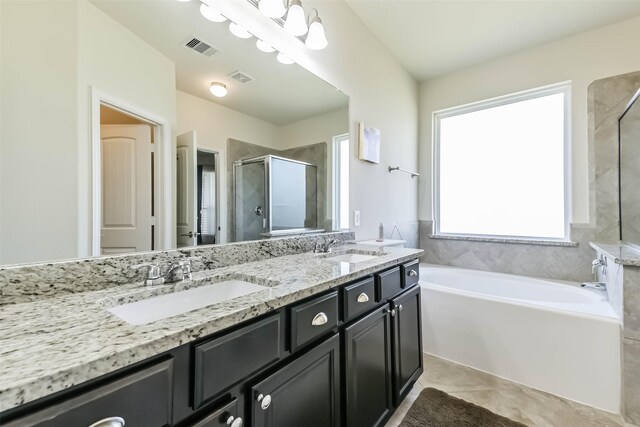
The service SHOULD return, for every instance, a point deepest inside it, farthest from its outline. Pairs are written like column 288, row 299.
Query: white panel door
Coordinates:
column 126, row 188
column 186, row 187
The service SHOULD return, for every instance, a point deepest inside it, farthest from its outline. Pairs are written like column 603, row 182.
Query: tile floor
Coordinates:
column 517, row 402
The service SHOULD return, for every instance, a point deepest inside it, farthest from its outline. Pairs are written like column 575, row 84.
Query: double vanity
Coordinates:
column 304, row 339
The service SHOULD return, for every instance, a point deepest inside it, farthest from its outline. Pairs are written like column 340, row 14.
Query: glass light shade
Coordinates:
column 284, row 59
column 264, row 46
column 272, row 8
column 184, row 1
column 296, row 24
column 316, row 40
column 218, row 89
column 211, row 14
column 239, row 31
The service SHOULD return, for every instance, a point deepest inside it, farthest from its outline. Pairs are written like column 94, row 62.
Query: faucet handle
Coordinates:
column 154, row 277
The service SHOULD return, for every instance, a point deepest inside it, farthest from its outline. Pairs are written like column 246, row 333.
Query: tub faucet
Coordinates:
column 599, row 262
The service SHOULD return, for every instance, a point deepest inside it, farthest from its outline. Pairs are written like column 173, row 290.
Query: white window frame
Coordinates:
column 564, row 88
column 337, row 141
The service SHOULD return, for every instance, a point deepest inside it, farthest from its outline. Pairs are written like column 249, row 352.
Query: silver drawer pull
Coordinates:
column 109, row 422
column 320, row 319
column 413, row 273
column 363, row 297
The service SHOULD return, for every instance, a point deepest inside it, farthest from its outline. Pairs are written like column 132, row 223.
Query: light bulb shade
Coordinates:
column 264, row 46
column 296, row 24
column 284, row 59
column 211, row 14
column 239, row 31
column 218, row 89
column 272, row 8
column 316, row 39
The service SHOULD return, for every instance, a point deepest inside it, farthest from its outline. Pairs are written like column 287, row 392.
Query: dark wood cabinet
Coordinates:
column 407, row 342
column 368, row 370
column 305, row 392
column 225, row 416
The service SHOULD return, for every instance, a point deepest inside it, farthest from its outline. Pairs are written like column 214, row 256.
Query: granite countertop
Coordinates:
column 54, row 343
column 621, row 253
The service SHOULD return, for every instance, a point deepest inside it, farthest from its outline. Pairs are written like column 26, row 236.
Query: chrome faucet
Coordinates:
column 601, row 263
column 178, row 271
column 324, row 248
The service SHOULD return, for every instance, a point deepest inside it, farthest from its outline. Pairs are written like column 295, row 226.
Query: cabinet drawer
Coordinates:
column 314, row 318
column 410, row 273
column 388, row 283
column 142, row 398
column 358, row 298
column 224, row 416
column 224, row 361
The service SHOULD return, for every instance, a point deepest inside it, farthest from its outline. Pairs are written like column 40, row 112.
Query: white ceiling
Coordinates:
column 280, row 94
column 434, row 37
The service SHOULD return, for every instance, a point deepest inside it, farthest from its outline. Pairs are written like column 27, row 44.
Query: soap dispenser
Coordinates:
column 380, row 233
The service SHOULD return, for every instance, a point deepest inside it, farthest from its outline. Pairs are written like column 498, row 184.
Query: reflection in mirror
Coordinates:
column 629, row 197
column 112, row 142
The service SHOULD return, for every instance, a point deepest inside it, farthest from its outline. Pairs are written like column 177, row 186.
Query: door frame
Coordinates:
column 218, row 195
column 162, row 175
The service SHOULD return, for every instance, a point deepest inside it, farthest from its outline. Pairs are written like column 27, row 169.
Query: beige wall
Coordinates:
column 581, row 59
column 39, row 131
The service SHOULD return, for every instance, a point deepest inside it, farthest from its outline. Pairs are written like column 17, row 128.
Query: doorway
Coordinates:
column 207, row 197
column 127, row 154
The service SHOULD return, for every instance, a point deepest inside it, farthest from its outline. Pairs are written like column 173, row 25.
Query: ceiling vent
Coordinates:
column 200, row 46
column 241, row 77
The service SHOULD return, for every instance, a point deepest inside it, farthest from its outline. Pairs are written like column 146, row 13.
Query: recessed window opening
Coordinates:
column 501, row 166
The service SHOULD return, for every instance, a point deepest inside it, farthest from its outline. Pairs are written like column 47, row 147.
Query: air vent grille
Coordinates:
column 241, row 76
column 200, row 46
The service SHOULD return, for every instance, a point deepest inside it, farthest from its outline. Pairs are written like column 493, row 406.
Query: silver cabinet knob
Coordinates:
column 413, row 273
column 234, row 422
column 109, row 422
column 393, row 312
column 363, row 297
column 400, row 307
column 265, row 401
column 319, row 319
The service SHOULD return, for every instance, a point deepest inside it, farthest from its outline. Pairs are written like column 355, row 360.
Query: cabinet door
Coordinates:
column 306, row 392
column 407, row 342
column 368, row 370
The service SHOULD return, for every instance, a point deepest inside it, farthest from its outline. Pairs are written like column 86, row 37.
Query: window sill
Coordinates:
column 514, row 241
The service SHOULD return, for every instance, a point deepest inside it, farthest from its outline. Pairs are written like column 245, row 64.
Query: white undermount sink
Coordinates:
column 172, row 304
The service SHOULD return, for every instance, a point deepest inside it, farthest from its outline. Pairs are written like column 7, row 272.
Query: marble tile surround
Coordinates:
column 631, row 384
column 571, row 263
column 31, row 282
column 517, row 402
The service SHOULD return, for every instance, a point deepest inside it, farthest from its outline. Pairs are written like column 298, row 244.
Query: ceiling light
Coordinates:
column 316, row 39
column 284, row 59
column 210, row 13
column 272, row 8
column 264, row 46
column 218, row 89
column 239, row 31
column 296, row 24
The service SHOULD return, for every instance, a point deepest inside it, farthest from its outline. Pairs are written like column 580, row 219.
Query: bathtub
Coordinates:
column 548, row 335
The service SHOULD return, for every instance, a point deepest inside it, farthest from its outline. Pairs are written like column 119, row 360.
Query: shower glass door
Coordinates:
column 250, row 200
column 293, row 194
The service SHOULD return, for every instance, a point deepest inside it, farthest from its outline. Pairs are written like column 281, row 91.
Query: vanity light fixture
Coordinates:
column 218, row 89
column 210, row 13
column 316, row 39
column 296, row 24
column 264, row 46
column 239, row 31
column 272, row 8
column 284, row 59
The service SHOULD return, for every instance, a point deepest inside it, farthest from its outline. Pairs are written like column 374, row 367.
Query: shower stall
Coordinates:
column 273, row 196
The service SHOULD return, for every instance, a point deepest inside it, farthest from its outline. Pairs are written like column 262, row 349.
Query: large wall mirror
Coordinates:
column 112, row 141
column 629, row 170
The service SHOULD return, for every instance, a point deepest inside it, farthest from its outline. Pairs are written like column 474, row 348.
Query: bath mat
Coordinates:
column 435, row 408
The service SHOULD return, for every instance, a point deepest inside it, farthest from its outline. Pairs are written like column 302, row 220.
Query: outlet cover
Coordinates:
column 356, row 218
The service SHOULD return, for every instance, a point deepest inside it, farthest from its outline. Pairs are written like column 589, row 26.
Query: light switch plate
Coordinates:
column 356, row 218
